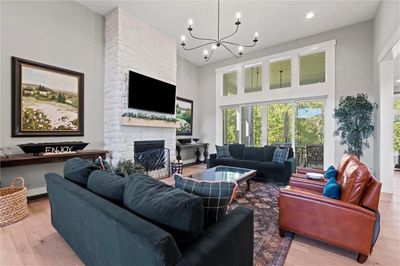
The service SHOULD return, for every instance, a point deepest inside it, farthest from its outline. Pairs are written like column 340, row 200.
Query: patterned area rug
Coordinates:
column 269, row 247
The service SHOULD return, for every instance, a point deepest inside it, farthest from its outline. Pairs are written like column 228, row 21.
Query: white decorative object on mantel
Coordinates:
column 130, row 121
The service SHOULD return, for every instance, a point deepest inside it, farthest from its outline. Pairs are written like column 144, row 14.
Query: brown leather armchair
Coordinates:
column 300, row 180
column 347, row 223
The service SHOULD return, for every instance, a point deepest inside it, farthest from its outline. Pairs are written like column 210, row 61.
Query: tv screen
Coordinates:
column 150, row 94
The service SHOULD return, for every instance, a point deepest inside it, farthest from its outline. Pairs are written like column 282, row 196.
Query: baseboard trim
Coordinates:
column 36, row 193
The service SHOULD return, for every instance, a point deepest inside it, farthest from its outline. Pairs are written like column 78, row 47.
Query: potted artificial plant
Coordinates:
column 355, row 119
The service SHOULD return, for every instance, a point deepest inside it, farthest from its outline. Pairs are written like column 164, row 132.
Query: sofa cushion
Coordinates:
column 177, row 212
column 247, row 164
column 226, row 162
column 236, row 150
column 290, row 154
column 270, row 167
column 331, row 189
column 78, row 170
column 355, row 181
column 280, row 155
column 223, row 152
column 216, row 195
column 253, row 153
column 268, row 153
column 107, row 185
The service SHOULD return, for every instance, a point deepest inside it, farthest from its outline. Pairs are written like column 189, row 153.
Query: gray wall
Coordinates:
column 386, row 22
column 63, row 34
column 187, row 87
column 354, row 50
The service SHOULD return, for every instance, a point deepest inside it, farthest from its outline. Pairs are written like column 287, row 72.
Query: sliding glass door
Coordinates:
column 297, row 124
column 279, row 124
column 251, row 125
column 310, row 133
column 231, row 126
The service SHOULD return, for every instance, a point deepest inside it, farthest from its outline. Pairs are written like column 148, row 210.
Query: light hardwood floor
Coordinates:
column 34, row 241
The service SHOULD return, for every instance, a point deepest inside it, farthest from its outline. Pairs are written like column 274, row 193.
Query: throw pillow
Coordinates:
column 107, row 185
column 223, row 152
column 280, row 155
column 331, row 172
column 331, row 189
column 177, row 212
column 78, row 170
column 103, row 165
column 216, row 195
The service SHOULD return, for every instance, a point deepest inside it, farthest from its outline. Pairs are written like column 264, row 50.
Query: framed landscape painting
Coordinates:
column 184, row 113
column 47, row 100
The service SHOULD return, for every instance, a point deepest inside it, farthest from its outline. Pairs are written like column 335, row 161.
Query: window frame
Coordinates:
column 324, row 90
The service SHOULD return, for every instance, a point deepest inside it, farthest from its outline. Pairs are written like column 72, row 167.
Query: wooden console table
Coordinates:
column 26, row 159
column 196, row 146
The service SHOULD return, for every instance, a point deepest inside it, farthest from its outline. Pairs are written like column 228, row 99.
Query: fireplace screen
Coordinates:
column 155, row 161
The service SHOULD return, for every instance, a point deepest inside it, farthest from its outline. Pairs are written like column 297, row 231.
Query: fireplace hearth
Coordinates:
column 153, row 157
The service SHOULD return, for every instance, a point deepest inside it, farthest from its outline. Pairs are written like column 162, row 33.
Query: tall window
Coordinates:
column 280, row 73
column 230, row 125
column 279, row 124
column 310, row 133
column 253, row 79
column 251, row 125
column 230, row 83
column 312, row 68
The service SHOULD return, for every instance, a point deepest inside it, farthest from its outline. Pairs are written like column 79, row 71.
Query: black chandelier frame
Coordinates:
column 219, row 41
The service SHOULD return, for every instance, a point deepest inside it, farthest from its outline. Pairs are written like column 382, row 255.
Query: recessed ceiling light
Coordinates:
column 310, row 15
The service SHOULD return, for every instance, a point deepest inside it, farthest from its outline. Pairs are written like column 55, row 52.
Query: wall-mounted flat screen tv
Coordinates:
column 149, row 94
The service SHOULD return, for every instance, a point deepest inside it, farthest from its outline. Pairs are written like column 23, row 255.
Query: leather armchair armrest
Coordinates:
column 305, row 170
column 297, row 181
column 332, row 221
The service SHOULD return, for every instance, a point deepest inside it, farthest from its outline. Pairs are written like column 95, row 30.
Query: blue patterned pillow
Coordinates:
column 216, row 195
column 223, row 152
column 280, row 155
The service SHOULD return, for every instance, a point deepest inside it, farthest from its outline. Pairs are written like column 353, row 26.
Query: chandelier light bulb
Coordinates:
column 310, row 15
column 256, row 34
column 214, row 47
column 190, row 21
column 238, row 15
column 205, row 52
column 183, row 38
column 240, row 48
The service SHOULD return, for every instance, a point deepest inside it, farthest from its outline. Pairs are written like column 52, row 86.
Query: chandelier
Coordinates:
column 218, row 42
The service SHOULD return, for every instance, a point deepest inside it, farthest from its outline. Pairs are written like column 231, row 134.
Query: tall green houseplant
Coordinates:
column 355, row 119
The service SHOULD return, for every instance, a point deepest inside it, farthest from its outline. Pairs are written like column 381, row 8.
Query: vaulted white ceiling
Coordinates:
column 275, row 21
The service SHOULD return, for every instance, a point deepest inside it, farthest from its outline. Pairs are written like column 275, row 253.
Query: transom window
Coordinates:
column 253, row 79
column 230, row 83
column 312, row 68
column 280, row 74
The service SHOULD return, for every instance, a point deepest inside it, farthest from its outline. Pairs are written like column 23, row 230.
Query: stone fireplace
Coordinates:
column 130, row 44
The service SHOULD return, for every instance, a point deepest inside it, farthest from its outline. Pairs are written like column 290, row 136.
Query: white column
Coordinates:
column 385, row 127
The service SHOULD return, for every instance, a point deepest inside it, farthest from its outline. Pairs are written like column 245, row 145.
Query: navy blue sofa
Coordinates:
column 104, row 233
column 260, row 159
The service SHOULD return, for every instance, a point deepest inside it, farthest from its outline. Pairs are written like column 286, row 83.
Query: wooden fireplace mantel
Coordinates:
column 28, row 159
column 131, row 121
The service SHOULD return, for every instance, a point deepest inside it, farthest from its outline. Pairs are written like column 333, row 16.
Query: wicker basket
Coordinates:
column 13, row 203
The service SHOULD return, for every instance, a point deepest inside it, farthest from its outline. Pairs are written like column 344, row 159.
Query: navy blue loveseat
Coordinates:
column 260, row 159
column 104, row 233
